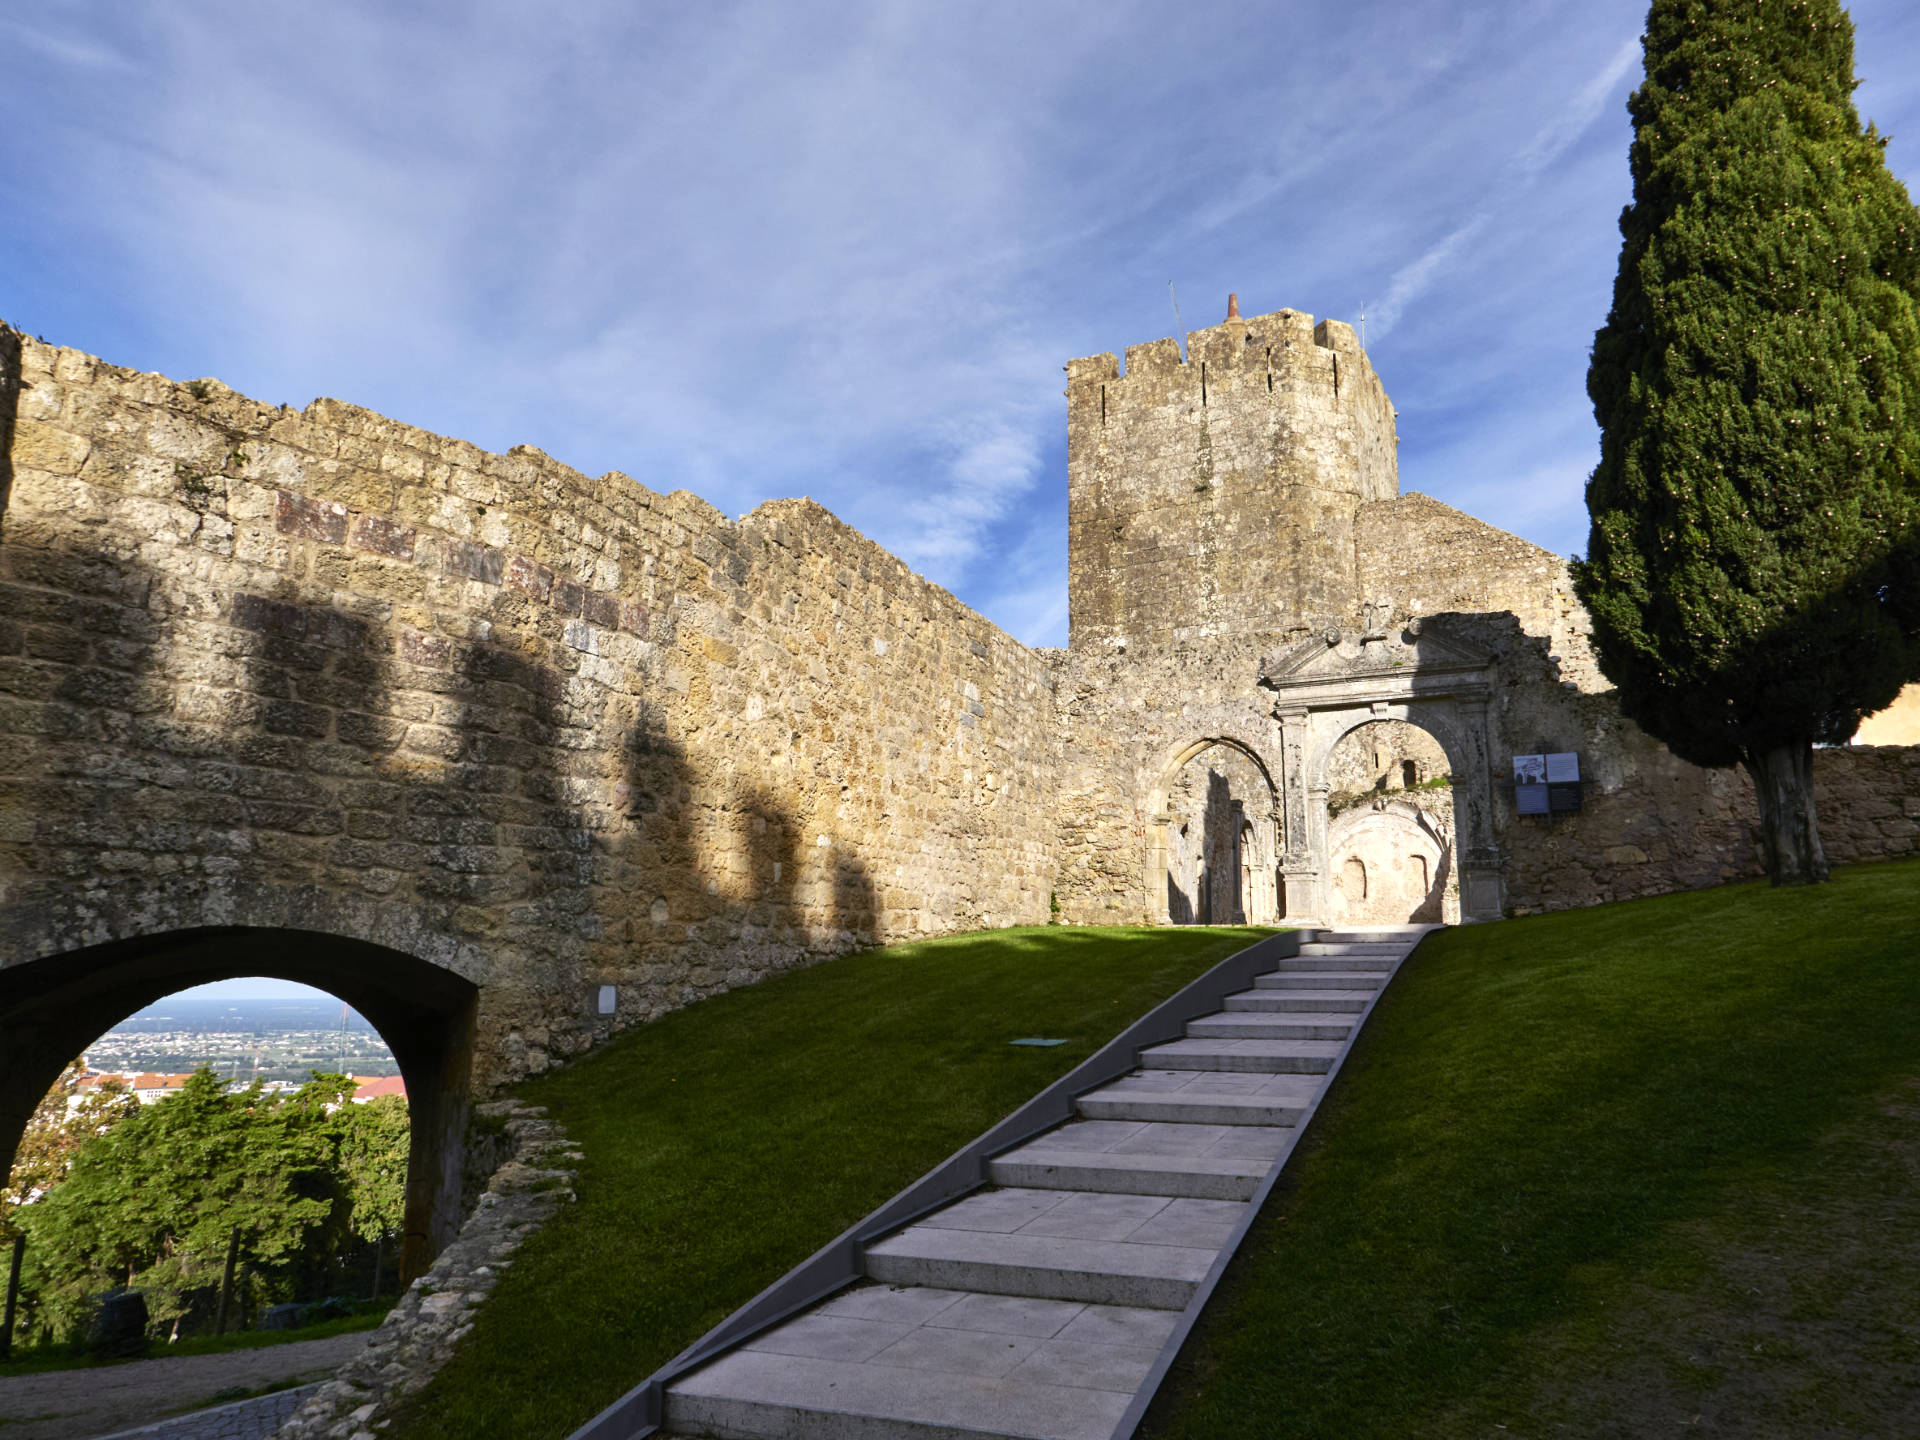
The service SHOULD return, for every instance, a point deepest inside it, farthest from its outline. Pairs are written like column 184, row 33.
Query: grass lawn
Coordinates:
column 35, row 1359
column 1650, row 1168
column 728, row 1141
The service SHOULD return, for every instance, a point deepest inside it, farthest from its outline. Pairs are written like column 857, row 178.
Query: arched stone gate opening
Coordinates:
column 52, row 1008
column 1391, row 841
column 1327, row 687
column 1213, row 837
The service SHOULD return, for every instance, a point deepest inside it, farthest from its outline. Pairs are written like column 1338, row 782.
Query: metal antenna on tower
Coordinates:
column 1179, row 326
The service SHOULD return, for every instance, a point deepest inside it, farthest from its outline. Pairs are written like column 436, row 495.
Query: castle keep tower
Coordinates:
column 1217, row 495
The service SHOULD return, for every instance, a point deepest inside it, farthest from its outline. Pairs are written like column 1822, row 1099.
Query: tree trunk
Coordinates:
column 1789, row 824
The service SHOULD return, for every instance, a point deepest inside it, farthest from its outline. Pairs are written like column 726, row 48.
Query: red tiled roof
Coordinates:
column 371, row 1087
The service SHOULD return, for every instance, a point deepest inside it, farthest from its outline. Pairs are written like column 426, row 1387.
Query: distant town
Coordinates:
column 280, row 1041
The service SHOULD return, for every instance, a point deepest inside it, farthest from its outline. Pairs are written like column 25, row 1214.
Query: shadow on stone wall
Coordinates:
column 1216, row 897
column 459, row 798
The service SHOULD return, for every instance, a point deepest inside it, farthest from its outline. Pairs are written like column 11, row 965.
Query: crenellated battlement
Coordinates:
column 1216, row 494
column 1259, row 342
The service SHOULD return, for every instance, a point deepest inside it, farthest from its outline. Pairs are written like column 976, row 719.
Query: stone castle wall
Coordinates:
column 323, row 670
column 320, row 670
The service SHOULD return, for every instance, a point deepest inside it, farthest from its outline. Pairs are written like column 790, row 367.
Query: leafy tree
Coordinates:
column 153, row 1200
column 55, row 1134
column 372, row 1162
column 1751, row 569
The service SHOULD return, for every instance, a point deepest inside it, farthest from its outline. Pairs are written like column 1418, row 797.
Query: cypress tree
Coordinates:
column 1751, row 569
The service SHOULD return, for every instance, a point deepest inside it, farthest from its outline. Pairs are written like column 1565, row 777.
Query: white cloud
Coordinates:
column 1415, row 278
column 753, row 249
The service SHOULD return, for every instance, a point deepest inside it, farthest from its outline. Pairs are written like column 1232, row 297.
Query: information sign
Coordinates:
column 1530, row 784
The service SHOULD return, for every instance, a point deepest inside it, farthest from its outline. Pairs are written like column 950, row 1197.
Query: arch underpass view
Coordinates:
column 52, row 1009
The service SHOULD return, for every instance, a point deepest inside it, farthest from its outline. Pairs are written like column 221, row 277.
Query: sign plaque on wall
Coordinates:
column 1563, row 783
column 1546, row 784
column 1530, row 784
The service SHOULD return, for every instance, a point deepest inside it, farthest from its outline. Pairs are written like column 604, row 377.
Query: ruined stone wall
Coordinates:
column 1427, row 558
column 320, row 669
column 1166, row 654
column 1125, row 721
column 1213, row 496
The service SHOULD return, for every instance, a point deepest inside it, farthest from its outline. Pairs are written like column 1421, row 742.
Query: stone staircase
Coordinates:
column 1039, row 1306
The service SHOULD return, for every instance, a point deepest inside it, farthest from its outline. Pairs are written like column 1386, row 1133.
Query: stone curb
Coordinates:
column 419, row 1335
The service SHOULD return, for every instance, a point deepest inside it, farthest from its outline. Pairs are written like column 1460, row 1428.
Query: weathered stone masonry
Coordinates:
column 470, row 737
column 321, row 673
column 1249, row 586
column 591, row 734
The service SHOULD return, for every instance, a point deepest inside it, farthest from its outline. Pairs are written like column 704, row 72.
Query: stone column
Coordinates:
column 1156, row 871
column 1483, row 889
column 1299, row 867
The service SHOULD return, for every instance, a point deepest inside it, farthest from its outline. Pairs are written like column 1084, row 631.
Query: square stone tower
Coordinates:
column 1217, row 496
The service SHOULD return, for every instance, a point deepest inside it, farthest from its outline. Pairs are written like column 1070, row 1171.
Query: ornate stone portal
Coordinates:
column 1328, row 686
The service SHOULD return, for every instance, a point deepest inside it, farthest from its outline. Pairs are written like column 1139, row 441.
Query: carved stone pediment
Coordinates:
column 1395, row 652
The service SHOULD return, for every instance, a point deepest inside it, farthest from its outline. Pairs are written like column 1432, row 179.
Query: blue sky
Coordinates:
column 843, row 249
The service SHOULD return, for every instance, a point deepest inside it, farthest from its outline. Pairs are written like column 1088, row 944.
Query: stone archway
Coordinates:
column 1327, row 687
column 52, row 1008
column 1390, row 812
column 1214, row 838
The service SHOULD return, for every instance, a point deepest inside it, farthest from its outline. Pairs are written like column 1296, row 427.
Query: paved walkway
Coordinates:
column 105, row 1399
column 1040, row 1306
column 254, row 1419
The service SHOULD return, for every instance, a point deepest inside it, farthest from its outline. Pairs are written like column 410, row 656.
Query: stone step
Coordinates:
column 1255, row 1025
column 1101, row 1272
column 1202, row 1097
column 928, row 1364
column 796, row 1397
column 1321, row 947
column 1130, row 1157
column 1334, row 964
column 1325, row 1002
column 1193, row 1176
column 1271, row 1057
column 1114, row 1137
column 1319, row 980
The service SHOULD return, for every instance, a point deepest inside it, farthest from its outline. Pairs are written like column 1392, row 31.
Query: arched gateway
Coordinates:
column 1325, row 688
column 1213, row 840
column 53, row 1006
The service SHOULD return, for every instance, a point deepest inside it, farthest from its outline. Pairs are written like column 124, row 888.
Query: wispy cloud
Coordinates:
column 1416, row 277
column 1560, row 130
column 754, row 250
column 1573, row 121
column 64, row 49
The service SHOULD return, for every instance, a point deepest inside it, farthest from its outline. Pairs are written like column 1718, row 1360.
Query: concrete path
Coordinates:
column 1039, row 1306
column 104, row 1399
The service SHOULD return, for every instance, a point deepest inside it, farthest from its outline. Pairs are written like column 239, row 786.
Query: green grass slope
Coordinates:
column 727, row 1142
column 1641, row 1169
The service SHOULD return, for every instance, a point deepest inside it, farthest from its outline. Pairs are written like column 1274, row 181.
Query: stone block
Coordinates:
column 484, row 563
column 381, row 536
column 37, row 446
column 307, row 518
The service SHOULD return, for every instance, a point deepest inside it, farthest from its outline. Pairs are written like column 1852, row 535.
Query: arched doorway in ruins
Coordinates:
column 1368, row 820
column 1215, row 838
column 1391, row 838
column 53, row 1008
